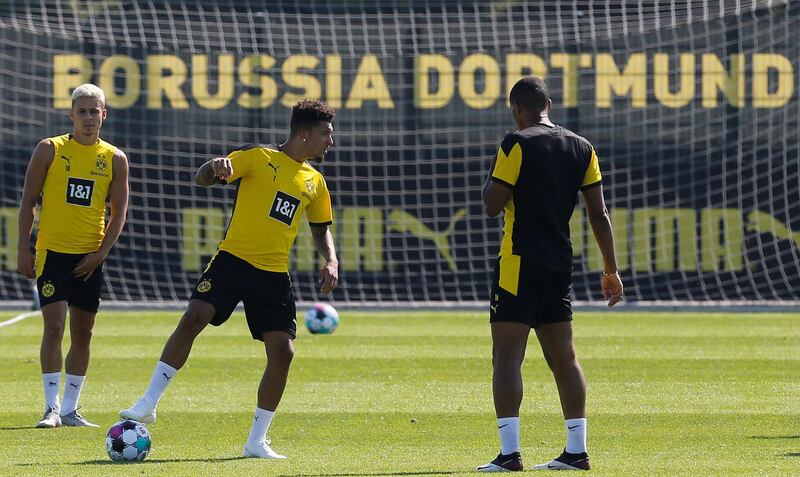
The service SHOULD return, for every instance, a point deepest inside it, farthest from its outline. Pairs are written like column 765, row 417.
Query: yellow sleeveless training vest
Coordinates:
column 74, row 197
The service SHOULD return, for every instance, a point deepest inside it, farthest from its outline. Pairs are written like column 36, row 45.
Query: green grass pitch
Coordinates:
column 409, row 394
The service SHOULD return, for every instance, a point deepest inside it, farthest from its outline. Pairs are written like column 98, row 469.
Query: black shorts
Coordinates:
column 267, row 296
column 525, row 292
column 56, row 282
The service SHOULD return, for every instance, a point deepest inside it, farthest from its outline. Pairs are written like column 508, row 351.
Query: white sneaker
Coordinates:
column 74, row 419
column 51, row 419
column 143, row 411
column 261, row 450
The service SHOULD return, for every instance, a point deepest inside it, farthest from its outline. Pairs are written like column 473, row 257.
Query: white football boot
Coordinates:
column 143, row 411
column 261, row 450
column 51, row 419
column 74, row 419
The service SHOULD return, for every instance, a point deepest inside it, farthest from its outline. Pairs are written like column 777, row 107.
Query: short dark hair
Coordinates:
column 531, row 93
column 307, row 113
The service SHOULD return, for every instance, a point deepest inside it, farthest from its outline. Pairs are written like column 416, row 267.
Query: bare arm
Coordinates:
column 323, row 241
column 601, row 227
column 34, row 183
column 118, row 197
column 215, row 171
column 495, row 197
column 495, row 194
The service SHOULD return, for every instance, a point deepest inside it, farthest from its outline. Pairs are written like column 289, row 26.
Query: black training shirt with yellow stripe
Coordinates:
column 545, row 166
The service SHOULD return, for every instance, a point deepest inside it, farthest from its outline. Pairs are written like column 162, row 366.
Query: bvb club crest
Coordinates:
column 48, row 290
column 101, row 163
column 204, row 286
column 311, row 189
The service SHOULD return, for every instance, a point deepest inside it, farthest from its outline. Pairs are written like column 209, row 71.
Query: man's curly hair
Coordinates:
column 307, row 113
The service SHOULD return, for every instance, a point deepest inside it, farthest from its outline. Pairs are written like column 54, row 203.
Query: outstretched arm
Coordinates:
column 215, row 171
column 611, row 283
column 34, row 182
column 323, row 241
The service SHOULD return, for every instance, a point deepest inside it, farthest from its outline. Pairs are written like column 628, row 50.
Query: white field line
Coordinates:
column 19, row 318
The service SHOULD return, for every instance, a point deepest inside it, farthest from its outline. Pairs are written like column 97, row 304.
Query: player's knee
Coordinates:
column 286, row 355
column 81, row 336
column 281, row 356
column 562, row 360
column 504, row 358
column 53, row 330
column 193, row 322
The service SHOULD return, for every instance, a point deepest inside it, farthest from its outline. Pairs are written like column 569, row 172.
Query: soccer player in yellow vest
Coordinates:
column 75, row 174
column 275, row 187
column 535, row 179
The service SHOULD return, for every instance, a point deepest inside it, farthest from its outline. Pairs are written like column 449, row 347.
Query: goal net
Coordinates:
column 691, row 105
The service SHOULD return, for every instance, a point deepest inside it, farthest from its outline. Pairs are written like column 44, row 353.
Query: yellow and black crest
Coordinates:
column 204, row 286
column 311, row 189
column 101, row 163
column 48, row 290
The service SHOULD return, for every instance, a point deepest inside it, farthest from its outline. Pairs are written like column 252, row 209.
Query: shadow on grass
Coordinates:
column 378, row 474
column 792, row 454
column 148, row 461
column 225, row 459
column 20, row 428
column 775, row 437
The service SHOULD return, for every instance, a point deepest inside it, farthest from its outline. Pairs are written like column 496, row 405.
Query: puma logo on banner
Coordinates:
column 403, row 222
column 763, row 223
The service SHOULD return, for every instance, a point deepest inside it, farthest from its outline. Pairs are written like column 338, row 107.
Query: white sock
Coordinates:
column 576, row 435
column 162, row 375
column 261, row 422
column 51, row 383
column 508, row 427
column 72, row 392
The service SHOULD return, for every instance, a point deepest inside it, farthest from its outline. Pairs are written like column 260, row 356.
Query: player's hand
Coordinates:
column 222, row 168
column 329, row 277
column 612, row 288
column 25, row 263
column 86, row 267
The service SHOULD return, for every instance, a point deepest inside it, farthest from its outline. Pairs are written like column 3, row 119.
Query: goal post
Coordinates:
column 692, row 107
